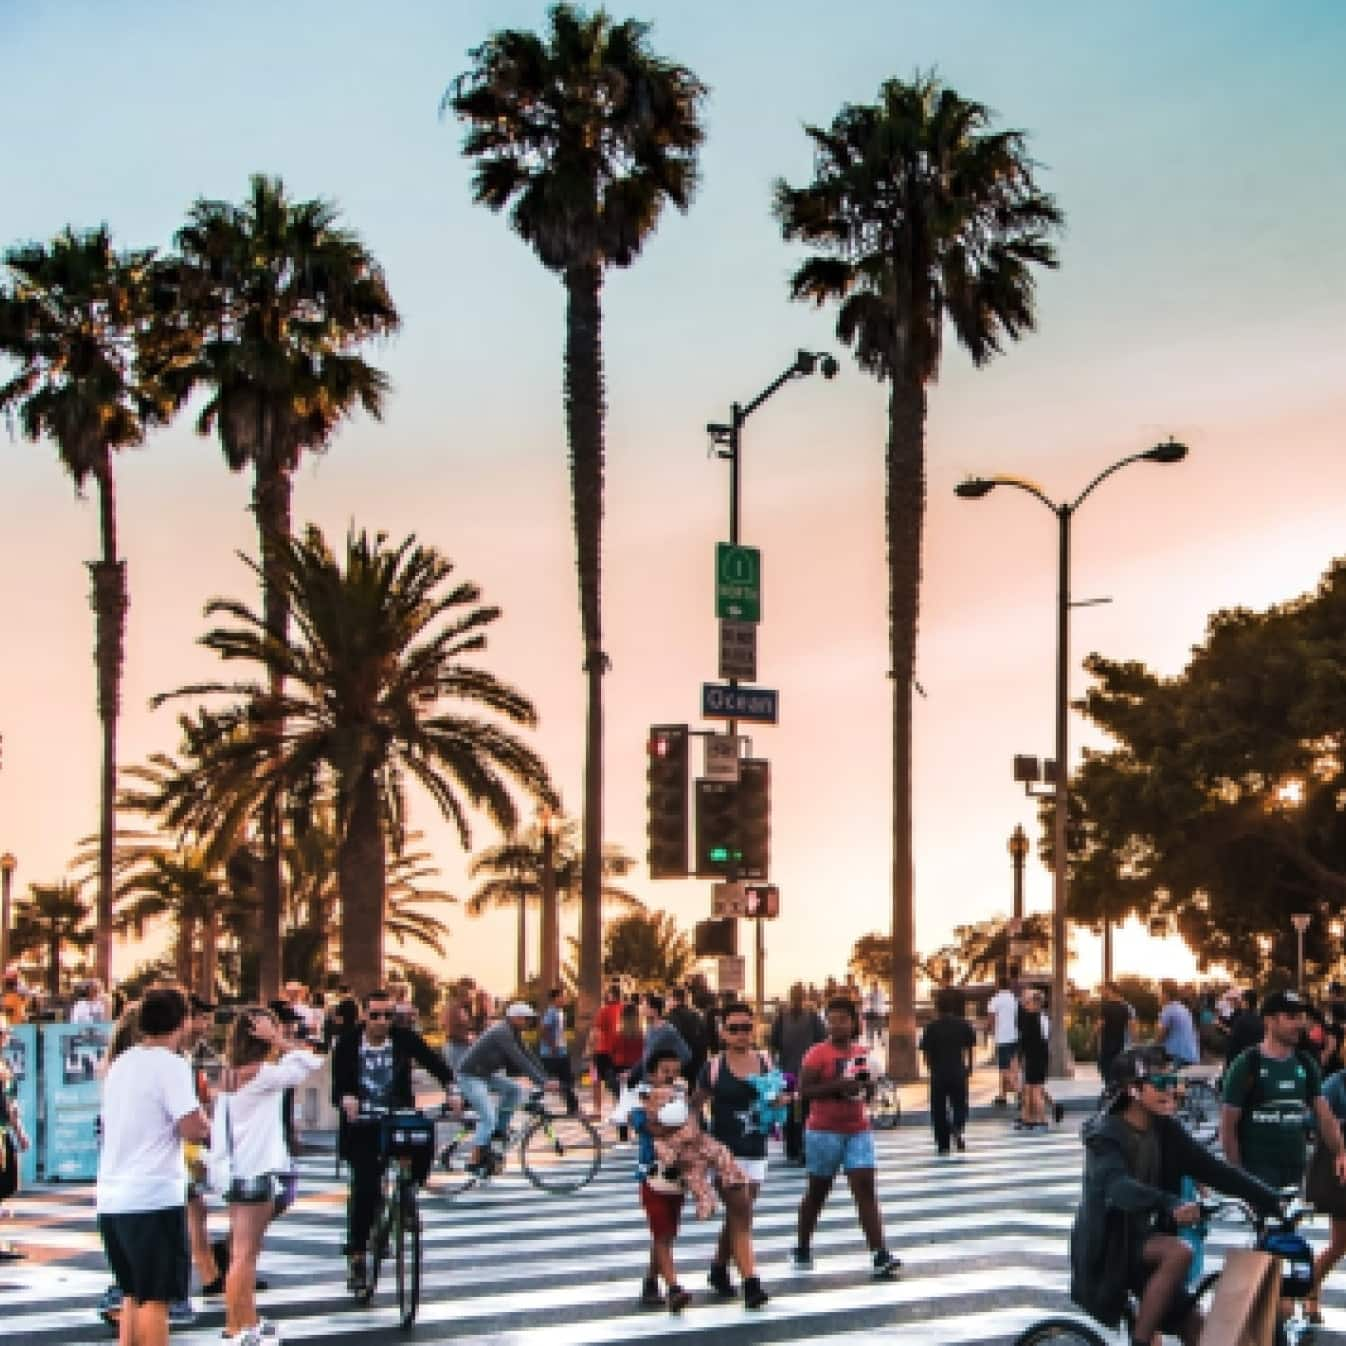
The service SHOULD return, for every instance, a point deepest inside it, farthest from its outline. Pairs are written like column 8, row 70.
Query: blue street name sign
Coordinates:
column 739, row 703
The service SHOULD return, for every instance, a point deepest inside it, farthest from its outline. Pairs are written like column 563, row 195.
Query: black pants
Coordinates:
column 360, row 1149
column 559, row 1068
column 793, row 1131
column 948, row 1107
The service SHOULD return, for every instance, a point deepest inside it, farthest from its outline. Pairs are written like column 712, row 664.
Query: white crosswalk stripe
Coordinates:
column 982, row 1237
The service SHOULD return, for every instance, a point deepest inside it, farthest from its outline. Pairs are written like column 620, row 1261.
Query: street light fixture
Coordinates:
column 7, row 866
column 1300, row 920
column 974, row 488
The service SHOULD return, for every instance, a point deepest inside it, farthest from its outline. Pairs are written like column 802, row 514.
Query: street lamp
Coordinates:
column 1018, row 849
column 1300, row 920
column 973, row 489
column 7, row 866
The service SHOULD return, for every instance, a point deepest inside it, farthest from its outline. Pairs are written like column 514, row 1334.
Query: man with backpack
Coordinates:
column 692, row 1027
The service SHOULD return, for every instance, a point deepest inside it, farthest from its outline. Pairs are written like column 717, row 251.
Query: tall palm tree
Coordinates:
column 381, row 645
column 922, row 214
column 54, row 917
column 515, row 877
column 72, row 313
column 278, row 299
column 585, row 133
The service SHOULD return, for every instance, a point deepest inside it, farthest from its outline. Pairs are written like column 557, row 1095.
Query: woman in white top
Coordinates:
column 248, row 1128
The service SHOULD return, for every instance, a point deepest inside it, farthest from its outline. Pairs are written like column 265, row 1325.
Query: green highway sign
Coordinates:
column 738, row 583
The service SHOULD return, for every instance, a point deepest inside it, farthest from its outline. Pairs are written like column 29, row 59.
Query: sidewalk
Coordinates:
column 1077, row 1094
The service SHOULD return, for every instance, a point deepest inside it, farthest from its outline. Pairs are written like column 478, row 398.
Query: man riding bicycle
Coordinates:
column 485, row 1070
column 1123, row 1239
column 371, row 1073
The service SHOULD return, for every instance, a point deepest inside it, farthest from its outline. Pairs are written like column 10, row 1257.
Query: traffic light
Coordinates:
column 762, row 900
column 666, row 802
column 718, row 937
column 718, row 854
column 754, row 817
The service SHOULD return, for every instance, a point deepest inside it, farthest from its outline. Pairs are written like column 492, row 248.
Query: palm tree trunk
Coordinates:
column 584, row 430
column 182, row 953
column 549, row 919
column 360, row 869
column 109, row 604
column 271, row 505
column 209, row 956
column 521, row 953
column 905, row 508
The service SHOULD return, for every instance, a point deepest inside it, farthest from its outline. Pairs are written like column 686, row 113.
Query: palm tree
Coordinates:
column 587, row 133
column 922, row 214
column 516, row 870
column 381, row 643
column 277, row 299
column 54, row 917
column 72, row 315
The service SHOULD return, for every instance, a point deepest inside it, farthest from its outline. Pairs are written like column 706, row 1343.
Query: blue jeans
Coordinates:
column 477, row 1091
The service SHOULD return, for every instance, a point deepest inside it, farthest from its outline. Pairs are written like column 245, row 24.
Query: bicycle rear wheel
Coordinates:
column 453, row 1148
column 1060, row 1332
column 560, row 1153
column 408, row 1254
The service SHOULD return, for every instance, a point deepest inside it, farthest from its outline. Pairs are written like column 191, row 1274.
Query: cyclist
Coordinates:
column 1136, row 1156
column 371, row 1071
column 485, row 1070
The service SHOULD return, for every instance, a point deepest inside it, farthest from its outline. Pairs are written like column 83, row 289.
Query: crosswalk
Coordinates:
column 982, row 1237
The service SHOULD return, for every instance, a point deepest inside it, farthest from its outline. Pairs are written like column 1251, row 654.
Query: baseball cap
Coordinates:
column 1285, row 1002
column 1137, row 1064
column 521, row 1009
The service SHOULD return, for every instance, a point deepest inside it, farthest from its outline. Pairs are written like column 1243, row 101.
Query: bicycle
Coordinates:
column 407, row 1142
column 1199, row 1104
column 1275, row 1236
column 885, row 1108
column 559, row 1152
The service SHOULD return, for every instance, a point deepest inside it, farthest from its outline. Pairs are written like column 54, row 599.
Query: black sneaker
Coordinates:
column 356, row 1275
column 886, row 1266
column 719, row 1281
column 801, row 1259
column 1059, row 1112
column 754, row 1297
column 959, row 1143
column 650, row 1298
column 678, row 1299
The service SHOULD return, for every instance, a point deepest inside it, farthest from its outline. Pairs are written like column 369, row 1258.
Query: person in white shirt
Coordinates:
column 91, row 1005
column 1002, row 1013
column 249, row 1130
column 149, row 1108
column 875, row 1009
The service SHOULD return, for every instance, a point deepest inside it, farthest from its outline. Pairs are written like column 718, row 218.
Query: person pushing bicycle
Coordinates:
column 1123, row 1239
column 371, row 1073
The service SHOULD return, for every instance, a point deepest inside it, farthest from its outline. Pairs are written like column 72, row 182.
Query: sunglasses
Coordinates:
column 1162, row 1082
column 738, row 1028
column 379, row 1014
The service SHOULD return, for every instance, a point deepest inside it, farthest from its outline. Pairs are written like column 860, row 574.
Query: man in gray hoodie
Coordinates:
column 486, row 1069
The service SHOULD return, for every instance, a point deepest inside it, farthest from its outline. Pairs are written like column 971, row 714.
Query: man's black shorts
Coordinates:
column 147, row 1251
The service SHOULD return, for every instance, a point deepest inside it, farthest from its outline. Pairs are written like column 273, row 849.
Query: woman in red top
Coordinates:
column 607, row 1022
column 628, row 1046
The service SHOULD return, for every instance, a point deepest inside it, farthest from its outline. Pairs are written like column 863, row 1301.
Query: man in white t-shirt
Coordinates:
column 1002, row 1012
column 149, row 1108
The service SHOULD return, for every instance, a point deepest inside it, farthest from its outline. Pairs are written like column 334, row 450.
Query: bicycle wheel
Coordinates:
column 408, row 1253
column 1060, row 1332
column 374, row 1254
column 560, row 1153
column 453, row 1148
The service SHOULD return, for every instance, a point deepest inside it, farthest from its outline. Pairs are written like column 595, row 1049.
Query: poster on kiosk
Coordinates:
column 21, row 1053
column 72, row 1069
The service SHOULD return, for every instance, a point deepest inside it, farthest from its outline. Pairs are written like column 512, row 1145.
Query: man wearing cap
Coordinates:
column 1136, row 1155
column 496, row 1055
column 1268, row 1092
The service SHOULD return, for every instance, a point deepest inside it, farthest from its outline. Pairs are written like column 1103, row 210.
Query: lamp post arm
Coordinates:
column 1104, row 475
column 774, row 386
column 1023, row 484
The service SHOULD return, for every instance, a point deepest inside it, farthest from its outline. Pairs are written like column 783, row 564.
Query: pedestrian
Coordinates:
column 602, row 1037
column 724, row 1084
column 659, row 1034
column 876, row 1014
column 14, row 997
column 1114, row 1022
column 1245, row 1028
column 1003, row 1024
column 91, row 1005
column 692, row 1027
column 13, row 1135
column 947, row 1043
column 248, row 1132
column 456, row 1021
column 796, row 1028
column 149, row 1108
column 553, row 1050
column 1033, row 1029
column 628, row 1048
column 661, row 1199
column 210, row 1260
column 1176, row 1031
column 837, row 1080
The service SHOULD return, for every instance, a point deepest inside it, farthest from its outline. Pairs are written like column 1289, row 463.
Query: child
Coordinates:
column 684, row 1152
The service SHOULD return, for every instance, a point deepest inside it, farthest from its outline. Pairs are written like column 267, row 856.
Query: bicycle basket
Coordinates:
column 408, row 1135
column 1296, row 1257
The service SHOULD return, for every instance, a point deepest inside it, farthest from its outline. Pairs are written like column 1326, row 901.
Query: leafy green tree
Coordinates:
column 276, row 299
column 647, row 947
column 53, row 917
column 377, row 681
column 73, row 313
column 1220, row 808
column 872, row 957
column 515, row 871
column 922, row 215
column 980, row 950
column 585, row 134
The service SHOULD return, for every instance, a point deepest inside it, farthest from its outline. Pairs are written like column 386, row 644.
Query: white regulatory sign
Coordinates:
column 722, row 757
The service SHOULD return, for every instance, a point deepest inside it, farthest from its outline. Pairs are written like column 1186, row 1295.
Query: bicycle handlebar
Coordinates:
column 1285, row 1221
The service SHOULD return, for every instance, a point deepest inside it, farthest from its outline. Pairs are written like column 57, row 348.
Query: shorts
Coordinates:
column 827, row 1153
column 1035, row 1069
column 754, row 1168
column 663, row 1212
column 147, row 1251
column 1005, row 1052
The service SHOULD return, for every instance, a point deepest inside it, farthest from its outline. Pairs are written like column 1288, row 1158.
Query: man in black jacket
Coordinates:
column 371, row 1072
column 1136, row 1156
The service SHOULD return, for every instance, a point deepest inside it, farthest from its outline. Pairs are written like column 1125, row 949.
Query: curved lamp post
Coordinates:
column 7, row 866
column 973, row 489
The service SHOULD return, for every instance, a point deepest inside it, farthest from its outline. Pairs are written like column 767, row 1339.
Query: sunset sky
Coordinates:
column 1199, row 156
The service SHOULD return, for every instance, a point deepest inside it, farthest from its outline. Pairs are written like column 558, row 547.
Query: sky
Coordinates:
column 1196, row 151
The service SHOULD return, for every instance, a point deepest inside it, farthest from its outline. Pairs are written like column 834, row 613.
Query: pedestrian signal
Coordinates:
column 761, row 900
